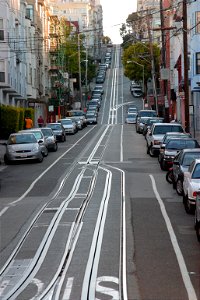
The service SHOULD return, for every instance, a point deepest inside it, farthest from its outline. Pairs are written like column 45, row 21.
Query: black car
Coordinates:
column 172, row 148
column 58, row 130
column 180, row 165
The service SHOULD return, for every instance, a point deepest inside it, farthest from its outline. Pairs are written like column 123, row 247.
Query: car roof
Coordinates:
column 190, row 150
column 22, row 132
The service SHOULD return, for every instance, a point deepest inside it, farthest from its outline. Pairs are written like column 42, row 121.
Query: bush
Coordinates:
column 12, row 119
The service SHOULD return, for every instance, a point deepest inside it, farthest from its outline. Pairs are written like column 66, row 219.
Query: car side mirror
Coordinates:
column 40, row 141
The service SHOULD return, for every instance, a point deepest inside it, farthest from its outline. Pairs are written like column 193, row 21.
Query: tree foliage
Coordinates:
column 139, row 54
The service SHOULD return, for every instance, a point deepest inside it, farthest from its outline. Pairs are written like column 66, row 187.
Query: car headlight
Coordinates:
column 11, row 150
column 35, row 148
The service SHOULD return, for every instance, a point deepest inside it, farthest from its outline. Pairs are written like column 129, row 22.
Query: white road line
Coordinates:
column 95, row 249
column 181, row 262
column 121, row 145
column 42, row 174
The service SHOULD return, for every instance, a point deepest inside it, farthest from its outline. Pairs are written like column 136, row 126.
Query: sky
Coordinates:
column 115, row 12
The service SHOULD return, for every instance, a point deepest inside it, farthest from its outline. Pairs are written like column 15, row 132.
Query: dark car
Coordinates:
column 180, row 165
column 172, row 148
column 58, row 130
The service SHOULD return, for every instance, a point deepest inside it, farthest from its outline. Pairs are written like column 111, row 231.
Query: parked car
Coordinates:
column 197, row 216
column 174, row 146
column 78, row 113
column 140, row 124
column 50, row 138
column 132, row 109
column 23, row 146
column 191, row 185
column 131, row 118
column 156, row 134
column 58, row 130
column 78, row 121
column 91, row 117
column 180, row 165
column 98, row 89
column 170, row 135
column 136, row 92
column 40, row 138
column 147, row 113
column 149, row 122
column 69, row 125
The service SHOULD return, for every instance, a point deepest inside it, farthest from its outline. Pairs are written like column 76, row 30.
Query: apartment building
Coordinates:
column 24, row 54
column 88, row 14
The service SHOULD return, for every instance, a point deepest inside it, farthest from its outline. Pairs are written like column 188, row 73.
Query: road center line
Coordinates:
column 181, row 262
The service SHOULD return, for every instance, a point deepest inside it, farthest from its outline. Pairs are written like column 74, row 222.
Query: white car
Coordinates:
column 197, row 216
column 191, row 186
column 155, row 135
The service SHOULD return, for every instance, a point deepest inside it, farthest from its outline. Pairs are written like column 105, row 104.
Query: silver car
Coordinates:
column 23, row 146
column 50, row 138
column 40, row 138
column 69, row 125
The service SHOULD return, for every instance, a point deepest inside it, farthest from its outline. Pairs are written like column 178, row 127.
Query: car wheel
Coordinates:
column 6, row 160
column 55, row 147
column 151, row 153
column 197, row 228
column 179, row 187
column 147, row 149
column 188, row 208
column 41, row 158
column 162, row 165
column 46, row 153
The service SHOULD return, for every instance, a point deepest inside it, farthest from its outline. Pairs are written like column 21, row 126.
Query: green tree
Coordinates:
column 139, row 53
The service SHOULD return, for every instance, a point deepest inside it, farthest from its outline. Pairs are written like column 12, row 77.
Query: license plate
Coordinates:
column 23, row 155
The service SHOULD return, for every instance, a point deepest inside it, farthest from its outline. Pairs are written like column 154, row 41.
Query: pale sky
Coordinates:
column 115, row 12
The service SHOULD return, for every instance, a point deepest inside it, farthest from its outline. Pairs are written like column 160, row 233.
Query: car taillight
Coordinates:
column 156, row 142
column 194, row 194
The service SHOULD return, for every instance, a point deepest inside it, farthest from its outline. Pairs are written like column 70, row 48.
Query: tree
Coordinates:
column 139, row 54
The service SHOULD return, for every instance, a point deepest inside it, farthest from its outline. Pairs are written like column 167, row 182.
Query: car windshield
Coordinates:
column 152, row 121
column 181, row 144
column 54, row 126
column 168, row 137
column 47, row 132
column 132, row 116
column 66, row 122
column 147, row 114
column 189, row 157
column 164, row 129
column 196, row 173
column 22, row 139
column 77, row 113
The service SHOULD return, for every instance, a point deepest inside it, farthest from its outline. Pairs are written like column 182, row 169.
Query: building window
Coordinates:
column 197, row 22
column 2, row 71
column 30, row 12
column 1, row 30
column 198, row 63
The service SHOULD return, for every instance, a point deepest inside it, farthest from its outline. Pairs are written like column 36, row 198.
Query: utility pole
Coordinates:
column 79, row 70
column 185, row 56
column 163, row 56
column 152, row 64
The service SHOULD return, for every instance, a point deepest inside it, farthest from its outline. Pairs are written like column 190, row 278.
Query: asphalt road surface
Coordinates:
column 97, row 219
